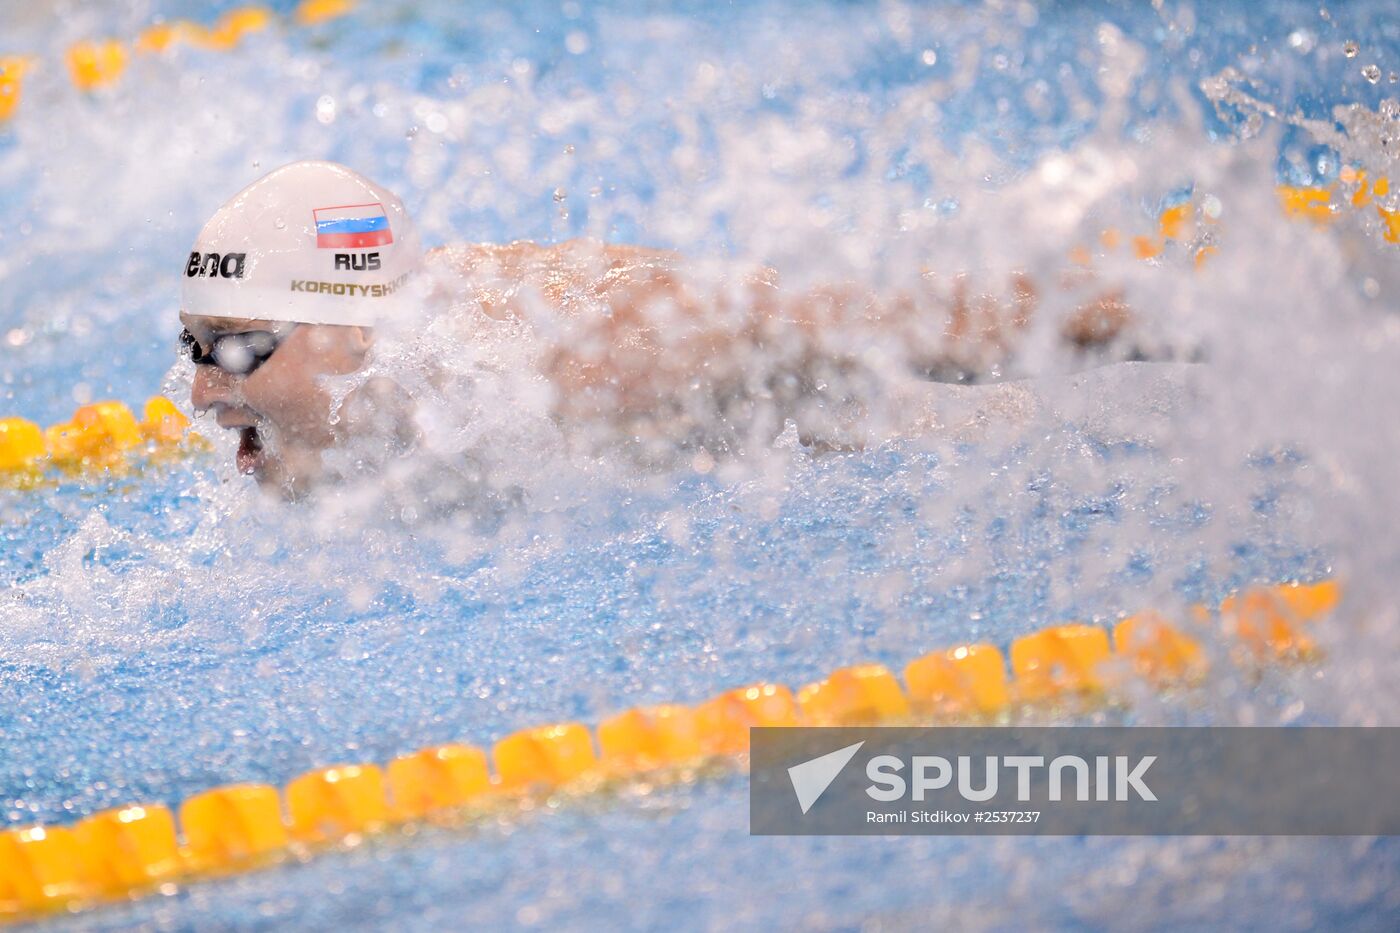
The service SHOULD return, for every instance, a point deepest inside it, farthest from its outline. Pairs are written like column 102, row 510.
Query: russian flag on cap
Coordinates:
column 352, row 226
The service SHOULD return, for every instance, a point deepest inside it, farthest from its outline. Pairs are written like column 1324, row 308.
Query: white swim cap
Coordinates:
column 312, row 242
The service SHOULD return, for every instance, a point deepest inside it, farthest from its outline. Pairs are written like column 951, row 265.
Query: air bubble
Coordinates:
column 1371, row 73
column 1350, row 49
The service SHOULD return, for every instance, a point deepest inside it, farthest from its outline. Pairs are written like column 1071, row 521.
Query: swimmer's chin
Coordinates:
column 288, row 489
column 275, row 480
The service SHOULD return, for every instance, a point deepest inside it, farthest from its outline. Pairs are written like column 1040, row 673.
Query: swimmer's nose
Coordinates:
column 212, row 386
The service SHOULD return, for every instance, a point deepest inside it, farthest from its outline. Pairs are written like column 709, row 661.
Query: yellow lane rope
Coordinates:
column 99, row 437
column 130, row 851
column 99, row 63
column 99, row 434
column 94, row 64
column 1193, row 225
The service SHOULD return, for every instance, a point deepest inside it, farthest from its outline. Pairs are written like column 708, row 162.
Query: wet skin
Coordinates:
column 283, row 404
column 644, row 336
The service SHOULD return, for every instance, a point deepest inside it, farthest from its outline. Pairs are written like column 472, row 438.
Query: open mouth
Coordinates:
column 250, row 450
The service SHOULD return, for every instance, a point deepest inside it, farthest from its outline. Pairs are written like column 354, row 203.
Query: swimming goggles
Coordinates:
column 235, row 354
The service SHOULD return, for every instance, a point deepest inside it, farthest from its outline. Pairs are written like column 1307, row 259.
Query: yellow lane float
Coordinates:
column 968, row 679
column 12, row 71
column 725, row 720
column 1264, row 624
column 227, row 828
column 123, row 852
column 544, row 757
column 438, row 778
column 311, row 12
column 41, row 868
column 329, row 804
column 853, row 696
column 98, row 435
column 21, row 444
column 130, row 848
column 653, row 737
column 1065, row 659
column 1157, row 651
column 94, row 65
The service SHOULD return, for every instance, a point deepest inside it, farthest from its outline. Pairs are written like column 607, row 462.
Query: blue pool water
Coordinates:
column 168, row 630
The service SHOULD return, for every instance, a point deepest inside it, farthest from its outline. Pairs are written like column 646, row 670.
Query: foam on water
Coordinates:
column 174, row 630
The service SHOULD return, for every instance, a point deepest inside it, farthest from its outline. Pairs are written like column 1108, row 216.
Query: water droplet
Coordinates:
column 930, row 57
column 1302, row 40
column 1350, row 49
column 560, row 194
column 1371, row 73
column 280, row 224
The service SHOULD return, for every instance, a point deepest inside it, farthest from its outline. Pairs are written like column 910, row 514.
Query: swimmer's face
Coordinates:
column 282, row 408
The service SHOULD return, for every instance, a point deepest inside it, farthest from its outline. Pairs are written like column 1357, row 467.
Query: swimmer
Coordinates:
column 288, row 282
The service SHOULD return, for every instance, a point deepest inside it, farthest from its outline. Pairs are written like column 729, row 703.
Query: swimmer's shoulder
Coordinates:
column 471, row 258
column 526, row 258
column 467, row 256
column 582, row 262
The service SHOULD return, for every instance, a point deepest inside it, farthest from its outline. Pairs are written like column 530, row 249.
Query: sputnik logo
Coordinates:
column 811, row 778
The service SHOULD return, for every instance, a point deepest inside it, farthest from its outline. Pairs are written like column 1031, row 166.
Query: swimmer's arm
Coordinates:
column 502, row 276
column 962, row 320
column 643, row 332
column 947, row 326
